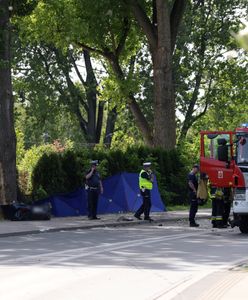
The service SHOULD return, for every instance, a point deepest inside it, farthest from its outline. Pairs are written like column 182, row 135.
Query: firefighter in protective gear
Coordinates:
column 217, row 196
column 146, row 178
column 228, row 198
column 192, row 187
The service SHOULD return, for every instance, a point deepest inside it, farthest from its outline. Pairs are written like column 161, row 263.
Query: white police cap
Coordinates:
column 94, row 162
column 147, row 164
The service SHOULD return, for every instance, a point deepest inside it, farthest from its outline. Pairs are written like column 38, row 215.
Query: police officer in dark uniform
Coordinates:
column 145, row 184
column 192, row 186
column 93, row 187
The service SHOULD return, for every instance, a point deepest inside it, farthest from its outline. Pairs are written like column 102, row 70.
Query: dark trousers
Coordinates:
column 193, row 207
column 146, row 205
column 92, row 203
column 226, row 211
column 217, row 211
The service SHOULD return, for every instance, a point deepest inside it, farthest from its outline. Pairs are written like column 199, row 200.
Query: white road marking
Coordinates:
column 89, row 251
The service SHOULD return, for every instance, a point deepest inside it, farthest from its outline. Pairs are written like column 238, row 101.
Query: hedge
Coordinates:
column 61, row 172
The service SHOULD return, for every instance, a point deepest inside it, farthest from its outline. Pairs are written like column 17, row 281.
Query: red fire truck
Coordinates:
column 224, row 158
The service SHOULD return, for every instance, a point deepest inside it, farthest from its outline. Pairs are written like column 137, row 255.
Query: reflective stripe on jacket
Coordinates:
column 144, row 183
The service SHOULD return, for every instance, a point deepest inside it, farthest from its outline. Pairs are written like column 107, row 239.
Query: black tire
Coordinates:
column 22, row 215
column 243, row 227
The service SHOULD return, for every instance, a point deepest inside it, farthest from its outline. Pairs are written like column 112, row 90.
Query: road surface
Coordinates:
column 145, row 262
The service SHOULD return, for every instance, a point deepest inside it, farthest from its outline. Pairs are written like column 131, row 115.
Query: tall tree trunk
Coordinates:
column 161, row 33
column 91, row 95
column 164, row 102
column 8, row 191
column 100, row 113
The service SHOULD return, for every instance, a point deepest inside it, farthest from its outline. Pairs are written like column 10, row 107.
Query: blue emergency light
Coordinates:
column 244, row 125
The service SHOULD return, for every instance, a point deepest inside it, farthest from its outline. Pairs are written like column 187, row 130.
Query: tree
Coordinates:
column 8, row 191
column 161, row 32
column 184, row 58
column 107, row 29
column 46, row 84
column 201, row 67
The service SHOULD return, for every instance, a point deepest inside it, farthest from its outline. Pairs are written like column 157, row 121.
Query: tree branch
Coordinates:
column 131, row 65
column 83, row 124
column 63, row 63
column 90, row 49
column 175, row 20
column 76, row 69
column 126, row 28
column 189, row 118
column 99, row 121
column 133, row 105
column 206, row 103
column 154, row 13
column 144, row 22
column 47, row 67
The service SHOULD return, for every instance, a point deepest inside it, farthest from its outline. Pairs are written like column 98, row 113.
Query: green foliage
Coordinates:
column 203, row 73
column 32, row 157
column 28, row 163
column 48, row 174
column 23, row 7
column 242, row 37
column 60, row 172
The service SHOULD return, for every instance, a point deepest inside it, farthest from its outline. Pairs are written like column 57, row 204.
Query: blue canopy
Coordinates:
column 121, row 194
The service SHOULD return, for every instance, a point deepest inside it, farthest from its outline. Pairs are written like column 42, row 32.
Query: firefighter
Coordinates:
column 146, row 178
column 217, row 196
column 193, row 186
column 227, row 201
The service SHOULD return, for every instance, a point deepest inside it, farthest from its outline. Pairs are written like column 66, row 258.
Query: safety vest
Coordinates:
column 219, row 193
column 144, row 183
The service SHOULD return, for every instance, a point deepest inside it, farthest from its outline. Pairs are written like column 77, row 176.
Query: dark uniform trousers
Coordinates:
column 193, row 207
column 217, row 211
column 226, row 205
column 92, row 202
column 146, row 205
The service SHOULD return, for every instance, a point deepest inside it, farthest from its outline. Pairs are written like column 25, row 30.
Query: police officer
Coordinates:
column 146, row 178
column 193, row 186
column 93, row 187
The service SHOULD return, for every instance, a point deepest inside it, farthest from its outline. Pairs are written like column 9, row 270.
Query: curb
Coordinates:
column 111, row 224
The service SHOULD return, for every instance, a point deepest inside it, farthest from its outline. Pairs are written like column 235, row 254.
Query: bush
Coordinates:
column 28, row 164
column 49, row 175
column 60, row 172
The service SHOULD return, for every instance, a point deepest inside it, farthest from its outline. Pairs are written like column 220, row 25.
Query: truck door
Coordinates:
column 217, row 157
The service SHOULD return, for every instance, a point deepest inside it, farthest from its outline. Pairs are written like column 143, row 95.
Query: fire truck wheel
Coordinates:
column 243, row 227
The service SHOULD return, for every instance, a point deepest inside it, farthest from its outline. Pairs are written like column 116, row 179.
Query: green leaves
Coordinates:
column 242, row 37
column 203, row 73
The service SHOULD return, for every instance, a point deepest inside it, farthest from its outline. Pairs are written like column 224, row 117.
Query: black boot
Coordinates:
column 193, row 224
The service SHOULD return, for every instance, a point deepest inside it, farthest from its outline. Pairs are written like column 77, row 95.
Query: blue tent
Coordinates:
column 121, row 194
column 66, row 205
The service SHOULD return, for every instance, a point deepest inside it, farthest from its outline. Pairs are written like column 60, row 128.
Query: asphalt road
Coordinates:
column 144, row 262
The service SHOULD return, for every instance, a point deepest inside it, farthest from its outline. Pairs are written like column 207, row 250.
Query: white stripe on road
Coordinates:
column 89, row 251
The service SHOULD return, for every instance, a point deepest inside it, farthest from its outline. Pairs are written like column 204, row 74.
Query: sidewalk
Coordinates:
column 15, row 228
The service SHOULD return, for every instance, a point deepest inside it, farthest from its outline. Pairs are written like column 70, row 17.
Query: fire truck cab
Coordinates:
column 224, row 158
